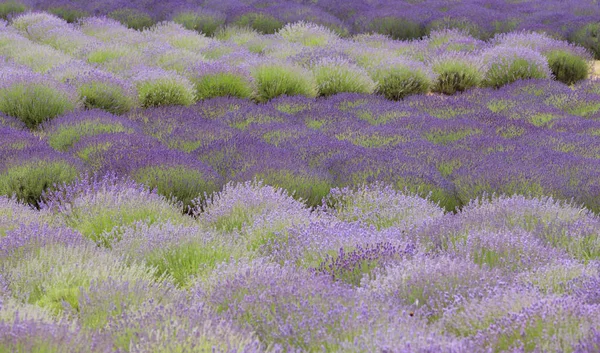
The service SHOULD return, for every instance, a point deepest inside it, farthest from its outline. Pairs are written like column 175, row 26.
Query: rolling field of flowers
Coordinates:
column 299, row 176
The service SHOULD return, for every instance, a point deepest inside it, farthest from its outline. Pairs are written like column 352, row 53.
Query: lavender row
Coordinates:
column 534, row 138
column 106, row 265
column 50, row 66
column 573, row 20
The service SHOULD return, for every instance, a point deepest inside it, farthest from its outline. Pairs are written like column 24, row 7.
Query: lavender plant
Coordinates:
column 180, row 252
column 202, row 20
column 34, row 98
column 276, row 79
column 284, row 305
column 265, row 212
column 381, row 206
column 100, row 207
column 157, row 87
column 62, row 133
column 27, row 173
column 400, row 77
column 503, row 65
column 260, row 21
column 132, row 18
column 336, row 75
column 308, row 34
column 14, row 213
column 196, row 327
column 98, row 88
column 221, row 80
column 455, row 73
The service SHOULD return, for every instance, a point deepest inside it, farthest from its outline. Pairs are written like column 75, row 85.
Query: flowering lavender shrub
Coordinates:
column 27, row 173
column 179, row 252
column 13, row 213
column 195, row 326
column 308, row 34
column 380, row 206
column 357, row 264
column 97, row 88
column 157, row 87
column 265, row 212
column 454, row 40
column 284, row 306
column 503, row 65
column 433, row 284
column 259, row 21
column 132, row 18
column 114, row 57
column 399, row 78
column 202, row 20
column 552, row 324
column 568, row 63
column 33, row 98
column 456, row 73
column 100, row 207
column 39, row 58
column 109, row 30
column 48, row 29
column 560, row 278
column 177, row 36
column 478, row 314
column 62, row 133
column 104, row 300
column 336, row 75
column 221, row 80
column 35, row 277
column 276, row 79
column 562, row 225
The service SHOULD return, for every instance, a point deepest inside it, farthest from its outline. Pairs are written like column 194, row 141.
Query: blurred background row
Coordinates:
column 575, row 20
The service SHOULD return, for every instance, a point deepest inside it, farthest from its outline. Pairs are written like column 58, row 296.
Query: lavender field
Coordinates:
column 299, row 176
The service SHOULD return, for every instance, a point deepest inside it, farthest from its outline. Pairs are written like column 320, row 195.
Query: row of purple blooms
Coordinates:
column 530, row 137
column 403, row 19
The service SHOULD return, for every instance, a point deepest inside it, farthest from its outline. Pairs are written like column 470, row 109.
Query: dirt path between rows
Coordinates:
column 596, row 73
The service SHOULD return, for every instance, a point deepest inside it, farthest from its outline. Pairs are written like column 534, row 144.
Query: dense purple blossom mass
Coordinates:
column 299, row 176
